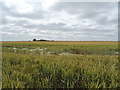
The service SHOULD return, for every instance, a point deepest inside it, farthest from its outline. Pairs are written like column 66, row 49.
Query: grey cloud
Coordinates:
column 37, row 14
column 105, row 24
column 95, row 11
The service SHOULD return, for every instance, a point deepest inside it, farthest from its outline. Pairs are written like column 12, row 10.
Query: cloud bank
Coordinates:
column 72, row 21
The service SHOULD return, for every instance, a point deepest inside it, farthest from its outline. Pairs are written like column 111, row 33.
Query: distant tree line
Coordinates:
column 41, row 40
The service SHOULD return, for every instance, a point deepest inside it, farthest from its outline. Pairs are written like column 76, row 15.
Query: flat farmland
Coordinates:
column 60, row 64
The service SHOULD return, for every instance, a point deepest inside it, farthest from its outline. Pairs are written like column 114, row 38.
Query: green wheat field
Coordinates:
column 60, row 64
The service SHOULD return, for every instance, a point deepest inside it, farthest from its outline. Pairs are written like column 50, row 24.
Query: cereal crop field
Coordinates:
column 60, row 64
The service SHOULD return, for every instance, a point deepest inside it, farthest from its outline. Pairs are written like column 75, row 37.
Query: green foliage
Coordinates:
column 76, row 71
column 88, row 48
column 91, row 69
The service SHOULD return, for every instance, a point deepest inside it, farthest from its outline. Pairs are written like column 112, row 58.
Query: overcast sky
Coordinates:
column 73, row 21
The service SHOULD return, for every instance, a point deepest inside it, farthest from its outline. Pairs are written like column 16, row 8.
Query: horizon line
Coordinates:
column 58, row 40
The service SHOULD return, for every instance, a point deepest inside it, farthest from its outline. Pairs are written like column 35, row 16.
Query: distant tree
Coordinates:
column 34, row 39
column 43, row 40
